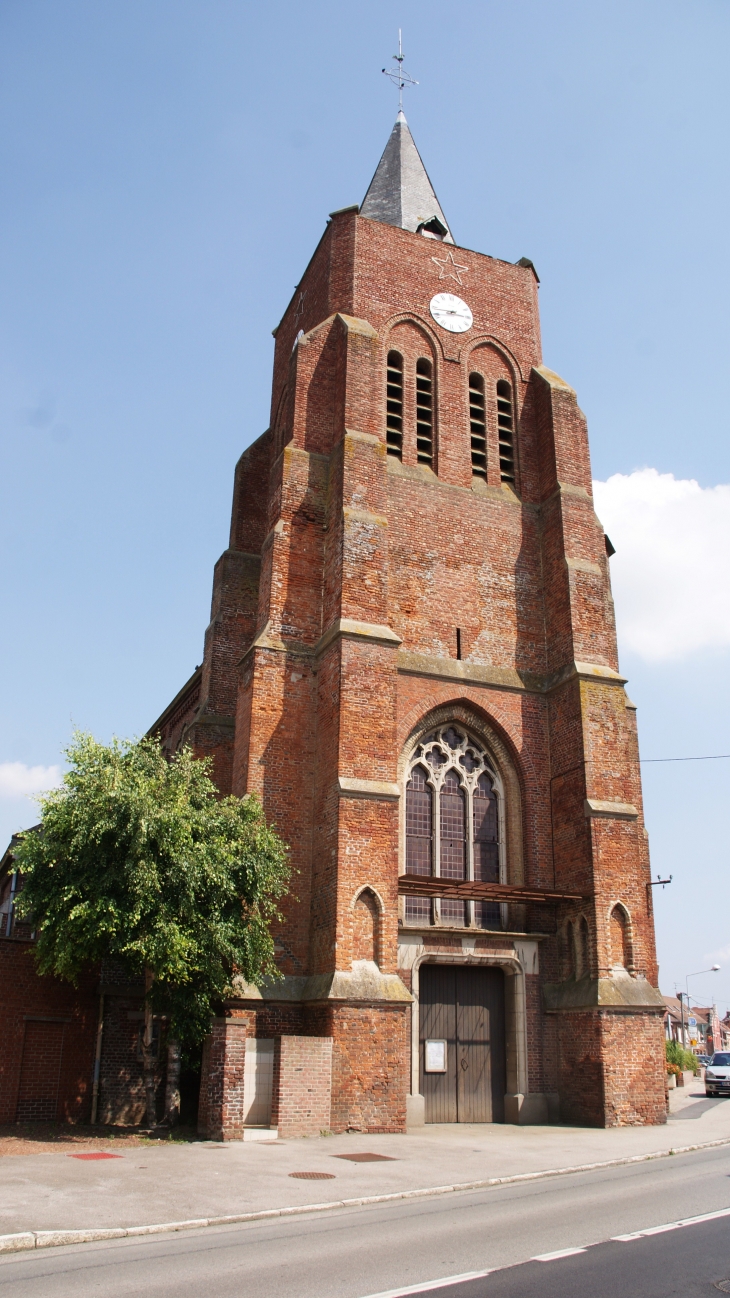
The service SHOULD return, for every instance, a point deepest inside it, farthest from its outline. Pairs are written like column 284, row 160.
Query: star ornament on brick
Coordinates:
column 449, row 269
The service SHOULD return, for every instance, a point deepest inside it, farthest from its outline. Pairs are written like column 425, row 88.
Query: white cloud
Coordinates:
column 20, row 781
column 671, row 571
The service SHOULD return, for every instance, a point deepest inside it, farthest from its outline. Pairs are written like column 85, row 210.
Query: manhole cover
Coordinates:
column 313, row 1176
column 367, row 1158
column 89, row 1157
column 723, row 1286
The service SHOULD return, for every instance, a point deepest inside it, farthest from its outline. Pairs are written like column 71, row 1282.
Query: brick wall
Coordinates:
column 303, row 1086
column 220, row 1110
column 48, row 1031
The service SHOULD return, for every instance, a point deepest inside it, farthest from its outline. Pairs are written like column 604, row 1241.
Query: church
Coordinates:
column 412, row 660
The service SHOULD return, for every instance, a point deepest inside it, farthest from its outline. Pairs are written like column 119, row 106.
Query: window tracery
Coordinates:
column 452, row 825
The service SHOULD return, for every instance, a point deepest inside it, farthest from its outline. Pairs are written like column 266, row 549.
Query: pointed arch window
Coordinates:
column 424, row 411
column 478, row 426
column 394, row 405
column 452, row 816
column 506, row 427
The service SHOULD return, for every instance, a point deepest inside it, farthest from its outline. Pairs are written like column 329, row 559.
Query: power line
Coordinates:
column 715, row 757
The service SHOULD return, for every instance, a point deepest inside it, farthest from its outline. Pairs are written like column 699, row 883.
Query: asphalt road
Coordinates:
column 351, row 1253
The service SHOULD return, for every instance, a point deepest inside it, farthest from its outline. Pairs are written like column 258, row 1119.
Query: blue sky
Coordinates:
column 168, row 169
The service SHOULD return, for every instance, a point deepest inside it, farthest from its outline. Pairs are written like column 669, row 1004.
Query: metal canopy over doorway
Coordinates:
column 463, row 1007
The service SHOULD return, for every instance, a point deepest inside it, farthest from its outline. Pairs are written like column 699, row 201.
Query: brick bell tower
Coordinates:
column 412, row 659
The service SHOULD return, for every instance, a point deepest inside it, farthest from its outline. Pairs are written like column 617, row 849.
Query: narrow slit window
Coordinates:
column 394, row 406
column 505, row 424
column 424, row 412
column 478, row 426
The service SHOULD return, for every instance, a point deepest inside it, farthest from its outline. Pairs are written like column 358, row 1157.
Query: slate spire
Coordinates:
column 400, row 192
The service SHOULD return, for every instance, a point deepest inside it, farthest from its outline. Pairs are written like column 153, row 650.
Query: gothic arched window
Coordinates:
column 506, row 427
column 394, row 405
column 478, row 426
column 452, row 825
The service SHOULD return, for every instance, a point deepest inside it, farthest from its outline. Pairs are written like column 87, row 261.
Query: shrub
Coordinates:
column 683, row 1060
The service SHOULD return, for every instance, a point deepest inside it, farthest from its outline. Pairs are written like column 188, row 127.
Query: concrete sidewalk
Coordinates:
column 171, row 1183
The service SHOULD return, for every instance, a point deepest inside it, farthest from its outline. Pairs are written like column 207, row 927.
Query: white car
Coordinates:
column 717, row 1075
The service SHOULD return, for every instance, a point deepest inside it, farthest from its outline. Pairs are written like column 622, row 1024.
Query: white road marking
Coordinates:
column 430, row 1285
column 559, row 1252
column 671, row 1225
column 433, row 1284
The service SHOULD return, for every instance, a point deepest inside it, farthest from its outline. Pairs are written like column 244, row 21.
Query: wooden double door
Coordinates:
column 463, row 1006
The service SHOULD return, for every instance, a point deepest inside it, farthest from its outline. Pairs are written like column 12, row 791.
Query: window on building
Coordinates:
column 424, row 411
column 419, row 835
column 488, row 914
column 478, row 426
column 505, row 424
column 394, row 406
column 452, row 825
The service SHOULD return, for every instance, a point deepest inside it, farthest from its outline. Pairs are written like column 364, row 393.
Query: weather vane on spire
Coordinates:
column 399, row 76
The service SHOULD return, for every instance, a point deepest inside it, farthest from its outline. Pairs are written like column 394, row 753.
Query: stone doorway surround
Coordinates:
column 517, row 956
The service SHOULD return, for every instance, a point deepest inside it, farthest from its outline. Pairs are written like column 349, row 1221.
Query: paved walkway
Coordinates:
column 158, row 1183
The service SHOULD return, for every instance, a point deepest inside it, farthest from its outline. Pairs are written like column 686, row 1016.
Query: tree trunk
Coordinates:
column 172, row 1087
column 149, row 1062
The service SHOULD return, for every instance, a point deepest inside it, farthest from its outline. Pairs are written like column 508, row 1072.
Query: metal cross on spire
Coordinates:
column 399, row 76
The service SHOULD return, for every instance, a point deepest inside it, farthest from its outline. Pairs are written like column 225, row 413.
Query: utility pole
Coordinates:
column 681, row 1002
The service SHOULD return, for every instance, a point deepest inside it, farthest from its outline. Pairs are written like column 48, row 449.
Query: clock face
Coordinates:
column 451, row 313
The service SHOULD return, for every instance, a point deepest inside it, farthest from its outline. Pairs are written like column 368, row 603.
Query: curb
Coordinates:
column 32, row 1239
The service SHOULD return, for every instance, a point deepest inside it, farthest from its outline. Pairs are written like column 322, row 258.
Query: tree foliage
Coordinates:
column 138, row 859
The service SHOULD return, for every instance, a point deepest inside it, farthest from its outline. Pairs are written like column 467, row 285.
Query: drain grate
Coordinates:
column 313, row 1176
column 367, row 1158
column 723, row 1286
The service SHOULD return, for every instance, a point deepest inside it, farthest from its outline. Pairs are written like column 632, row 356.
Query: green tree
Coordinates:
column 137, row 858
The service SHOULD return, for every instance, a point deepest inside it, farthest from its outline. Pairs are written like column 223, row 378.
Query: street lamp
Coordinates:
column 714, row 969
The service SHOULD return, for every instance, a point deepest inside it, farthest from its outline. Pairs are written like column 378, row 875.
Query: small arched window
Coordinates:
column 478, row 426
column 620, row 938
column 506, row 427
column 394, row 406
column 366, row 927
column 424, row 411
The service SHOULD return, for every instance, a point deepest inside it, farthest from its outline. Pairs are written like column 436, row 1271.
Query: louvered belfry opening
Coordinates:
column 394, row 406
column 505, row 424
column 478, row 426
column 424, row 411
